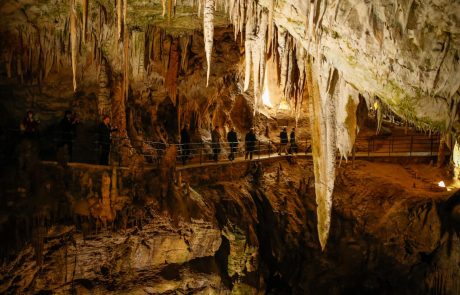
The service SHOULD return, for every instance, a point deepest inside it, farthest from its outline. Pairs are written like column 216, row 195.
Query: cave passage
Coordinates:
column 229, row 147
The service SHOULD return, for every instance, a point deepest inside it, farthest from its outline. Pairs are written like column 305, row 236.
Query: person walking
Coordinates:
column 104, row 133
column 68, row 126
column 283, row 141
column 215, row 143
column 250, row 142
column 232, row 139
column 185, row 144
column 293, row 145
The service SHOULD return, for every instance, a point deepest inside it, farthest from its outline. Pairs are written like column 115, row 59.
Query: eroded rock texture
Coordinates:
column 247, row 229
column 143, row 64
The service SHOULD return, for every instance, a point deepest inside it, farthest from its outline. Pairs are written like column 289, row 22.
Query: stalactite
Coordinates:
column 137, row 54
column 289, row 87
column 262, row 48
column 170, row 9
column 322, row 120
column 310, row 23
column 248, row 45
column 184, row 44
column 173, row 70
column 379, row 110
column 283, row 51
column 104, row 104
column 208, row 24
column 199, row 7
column 85, row 18
column 119, row 18
column 73, row 42
column 19, row 57
column 163, row 5
column 125, row 50
column 126, row 64
column 8, row 59
column 347, row 104
column 300, row 56
column 271, row 12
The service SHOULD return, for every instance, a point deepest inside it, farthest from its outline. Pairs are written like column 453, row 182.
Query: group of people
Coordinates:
column 68, row 129
column 250, row 141
column 293, row 148
column 67, row 132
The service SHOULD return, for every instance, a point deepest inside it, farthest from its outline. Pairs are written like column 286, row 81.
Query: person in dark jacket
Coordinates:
column 29, row 126
column 293, row 145
column 250, row 141
column 215, row 142
column 185, row 143
column 283, row 141
column 232, row 139
column 104, row 132
column 68, row 126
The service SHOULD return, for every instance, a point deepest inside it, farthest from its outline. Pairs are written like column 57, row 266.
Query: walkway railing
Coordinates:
column 409, row 145
column 204, row 152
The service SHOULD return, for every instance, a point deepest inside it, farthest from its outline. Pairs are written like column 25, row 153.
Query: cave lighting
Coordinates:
column 284, row 105
column 266, row 98
column 456, row 155
column 441, row 184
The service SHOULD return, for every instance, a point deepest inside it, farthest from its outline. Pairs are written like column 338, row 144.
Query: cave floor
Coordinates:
column 417, row 179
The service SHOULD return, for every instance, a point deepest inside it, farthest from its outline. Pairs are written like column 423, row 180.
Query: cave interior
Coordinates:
column 229, row 147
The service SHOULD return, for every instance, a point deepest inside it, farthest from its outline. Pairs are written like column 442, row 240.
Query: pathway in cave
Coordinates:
column 410, row 146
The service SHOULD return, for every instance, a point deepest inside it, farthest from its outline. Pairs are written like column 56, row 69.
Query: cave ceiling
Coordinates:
column 406, row 53
column 402, row 55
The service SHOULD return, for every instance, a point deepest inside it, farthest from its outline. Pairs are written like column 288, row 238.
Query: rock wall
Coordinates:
column 254, row 233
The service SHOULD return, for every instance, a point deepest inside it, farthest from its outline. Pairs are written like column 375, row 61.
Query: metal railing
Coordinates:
column 205, row 152
column 407, row 145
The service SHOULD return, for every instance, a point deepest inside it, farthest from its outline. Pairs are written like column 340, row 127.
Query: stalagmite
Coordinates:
column 208, row 24
column 73, row 42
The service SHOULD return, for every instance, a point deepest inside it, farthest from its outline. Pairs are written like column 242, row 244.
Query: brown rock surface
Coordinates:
column 245, row 232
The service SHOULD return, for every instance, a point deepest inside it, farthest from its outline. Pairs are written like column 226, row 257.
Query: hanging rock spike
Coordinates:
column 208, row 29
column 73, row 42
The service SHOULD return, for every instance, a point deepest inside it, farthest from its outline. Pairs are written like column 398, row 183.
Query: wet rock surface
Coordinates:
column 247, row 233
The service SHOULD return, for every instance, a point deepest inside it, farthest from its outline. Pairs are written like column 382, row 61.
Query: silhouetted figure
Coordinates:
column 215, row 142
column 68, row 126
column 283, row 141
column 185, row 144
column 104, row 133
column 293, row 148
column 29, row 126
column 232, row 138
column 250, row 142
